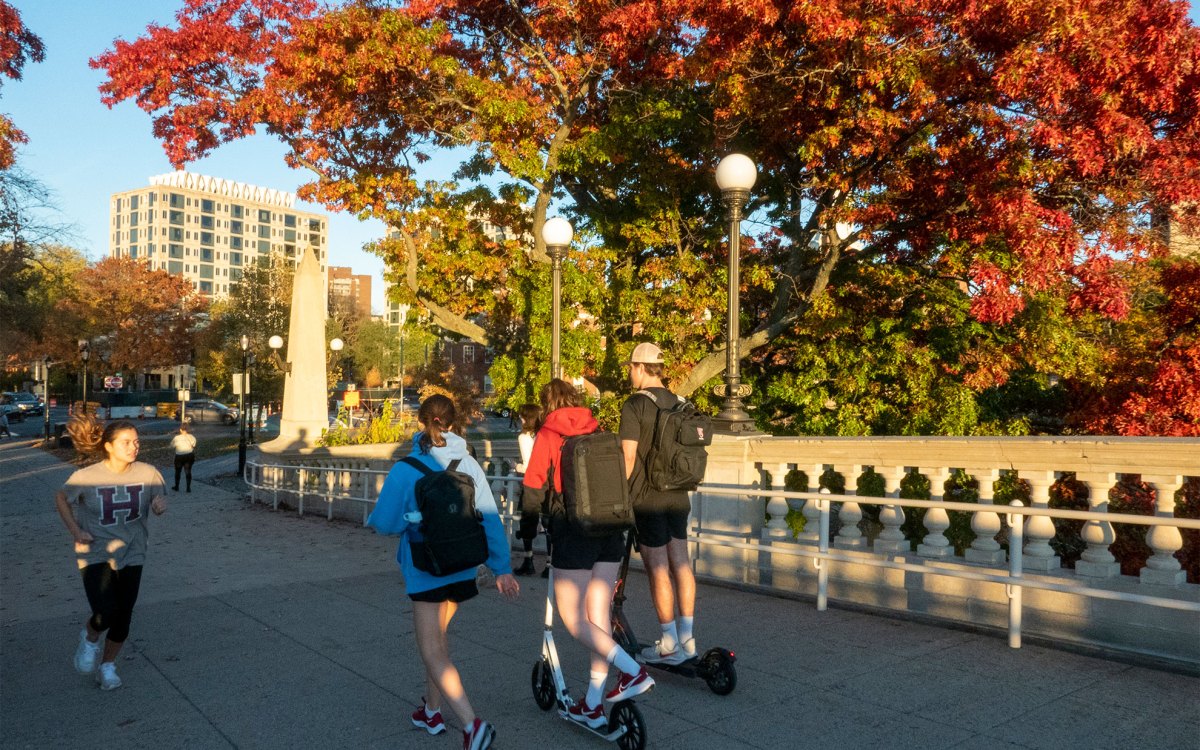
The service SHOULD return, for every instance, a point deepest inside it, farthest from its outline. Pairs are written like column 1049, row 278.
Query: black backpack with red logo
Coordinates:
column 678, row 455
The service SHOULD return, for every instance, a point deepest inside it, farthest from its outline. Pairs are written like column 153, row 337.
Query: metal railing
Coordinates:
column 1014, row 581
column 329, row 485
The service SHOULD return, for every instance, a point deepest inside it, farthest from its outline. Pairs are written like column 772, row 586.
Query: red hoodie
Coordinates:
column 559, row 424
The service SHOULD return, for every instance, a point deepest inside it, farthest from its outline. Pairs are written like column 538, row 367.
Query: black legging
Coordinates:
column 184, row 461
column 112, row 594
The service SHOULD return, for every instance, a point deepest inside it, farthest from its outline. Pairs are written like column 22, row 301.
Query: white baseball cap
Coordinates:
column 646, row 353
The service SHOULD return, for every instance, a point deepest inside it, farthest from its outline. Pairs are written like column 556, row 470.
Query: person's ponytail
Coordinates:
column 438, row 415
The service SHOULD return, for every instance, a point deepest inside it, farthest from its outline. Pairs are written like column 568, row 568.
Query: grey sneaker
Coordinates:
column 688, row 648
column 85, row 655
column 107, row 677
column 656, row 655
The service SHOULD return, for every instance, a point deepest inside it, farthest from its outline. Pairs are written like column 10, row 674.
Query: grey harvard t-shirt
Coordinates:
column 113, row 508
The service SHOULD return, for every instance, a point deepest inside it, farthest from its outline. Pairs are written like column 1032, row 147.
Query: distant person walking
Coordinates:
column 4, row 425
column 184, row 445
column 104, row 506
column 436, row 598
column 531, row 422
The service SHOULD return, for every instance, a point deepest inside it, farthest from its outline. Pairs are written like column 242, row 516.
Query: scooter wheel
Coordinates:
column 626, row 714
column 543, row 685
column 718, row 671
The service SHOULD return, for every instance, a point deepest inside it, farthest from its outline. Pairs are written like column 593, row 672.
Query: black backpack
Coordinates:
column 595, row 493
column 678, row 454
column 452, row 530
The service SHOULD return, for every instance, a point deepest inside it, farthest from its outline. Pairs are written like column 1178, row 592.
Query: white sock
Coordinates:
column 685, row 629
column 430, row 712
column 595, row 691
column 623, row 661
column 670, row 637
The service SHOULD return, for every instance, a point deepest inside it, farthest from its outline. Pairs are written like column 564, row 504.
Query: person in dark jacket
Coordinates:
column 585, row 567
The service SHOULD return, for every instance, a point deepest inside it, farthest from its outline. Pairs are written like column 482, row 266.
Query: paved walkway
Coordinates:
column 259, row 629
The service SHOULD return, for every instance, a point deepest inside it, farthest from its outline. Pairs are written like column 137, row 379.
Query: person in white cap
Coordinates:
column 660, row 517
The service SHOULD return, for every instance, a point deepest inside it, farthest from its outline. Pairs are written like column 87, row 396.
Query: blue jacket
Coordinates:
column 397, row 498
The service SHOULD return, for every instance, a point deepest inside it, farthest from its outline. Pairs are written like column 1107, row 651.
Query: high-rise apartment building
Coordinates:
column 351, row 290
column 207, row 229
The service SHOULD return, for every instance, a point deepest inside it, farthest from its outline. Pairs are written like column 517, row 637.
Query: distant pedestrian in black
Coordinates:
column 184, row 445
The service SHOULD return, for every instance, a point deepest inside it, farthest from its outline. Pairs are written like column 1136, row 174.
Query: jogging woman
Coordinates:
column 585, row 567
column 436, row 598
column 104, row 506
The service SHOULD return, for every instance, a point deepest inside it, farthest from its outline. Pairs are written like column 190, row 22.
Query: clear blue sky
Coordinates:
column 85, row 152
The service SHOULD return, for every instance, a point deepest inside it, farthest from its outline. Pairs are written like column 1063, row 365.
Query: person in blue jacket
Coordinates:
column 436, row 598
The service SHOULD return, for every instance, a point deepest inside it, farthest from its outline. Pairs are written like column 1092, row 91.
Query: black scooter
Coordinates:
column 715, row 666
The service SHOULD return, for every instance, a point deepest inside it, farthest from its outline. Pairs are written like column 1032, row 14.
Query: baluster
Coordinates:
column 1162, row 568
column 986, row 524
column 850, row 536
column 1039, row 530
column 891, row 540
column 812, row 514
column 935, row 543
column 1097, row 561
column 777, row 507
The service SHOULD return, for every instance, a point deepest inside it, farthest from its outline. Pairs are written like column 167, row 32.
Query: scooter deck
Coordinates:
column 603, row 734
column 689, row 668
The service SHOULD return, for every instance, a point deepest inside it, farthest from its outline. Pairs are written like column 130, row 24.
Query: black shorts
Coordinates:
column 452, row 592
column 656, row 528
column 573, row 551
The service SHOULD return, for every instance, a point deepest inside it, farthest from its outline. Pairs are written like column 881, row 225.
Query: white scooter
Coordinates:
column 626, row 727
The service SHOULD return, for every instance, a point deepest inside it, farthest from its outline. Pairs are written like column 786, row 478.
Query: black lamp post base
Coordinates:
column 742, row 424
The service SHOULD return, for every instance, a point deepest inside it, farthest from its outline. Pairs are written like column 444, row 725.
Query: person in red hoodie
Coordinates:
column 585, row 567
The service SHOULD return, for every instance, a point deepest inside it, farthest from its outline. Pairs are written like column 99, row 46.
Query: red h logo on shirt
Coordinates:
column 130, row 503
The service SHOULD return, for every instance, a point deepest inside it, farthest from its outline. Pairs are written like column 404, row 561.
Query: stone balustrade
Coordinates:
column 789, row 563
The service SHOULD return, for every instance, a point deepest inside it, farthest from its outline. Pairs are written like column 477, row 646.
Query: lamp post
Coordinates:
column 85, row 351
column 245, row 342
column 403, row 319
column 736, row 174
column 556, row 233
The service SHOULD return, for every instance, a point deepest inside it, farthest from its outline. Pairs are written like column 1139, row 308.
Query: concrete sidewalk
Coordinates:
column 260, row 629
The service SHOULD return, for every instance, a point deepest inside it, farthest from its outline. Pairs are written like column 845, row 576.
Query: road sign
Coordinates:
column 350, row 399
column 184, row 395
column 237, row 384
column 114, row 382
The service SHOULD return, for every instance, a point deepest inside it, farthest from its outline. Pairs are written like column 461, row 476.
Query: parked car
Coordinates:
column 209, row 411
column 28, row 402
column 10, row 406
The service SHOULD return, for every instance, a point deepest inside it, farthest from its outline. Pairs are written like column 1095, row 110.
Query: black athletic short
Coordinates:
column 656, row 528
column 452, row 592
column 570, row 550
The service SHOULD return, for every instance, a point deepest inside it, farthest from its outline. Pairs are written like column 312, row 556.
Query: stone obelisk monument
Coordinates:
column 305, row 395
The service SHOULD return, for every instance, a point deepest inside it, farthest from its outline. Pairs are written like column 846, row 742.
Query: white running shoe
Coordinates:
column 688, row 649
column 107, row 677
column 656, row 655
column 85, row 655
